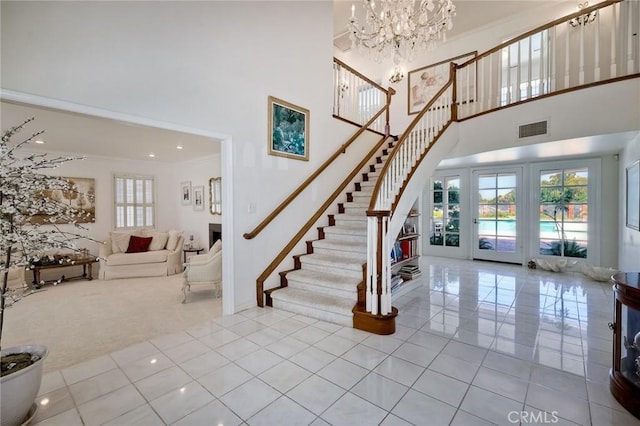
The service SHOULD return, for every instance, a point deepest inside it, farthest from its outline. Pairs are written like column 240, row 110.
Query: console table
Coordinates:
column 85, row 262
column 625, row 373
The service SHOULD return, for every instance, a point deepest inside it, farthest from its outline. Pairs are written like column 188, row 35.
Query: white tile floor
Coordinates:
column 476, row 344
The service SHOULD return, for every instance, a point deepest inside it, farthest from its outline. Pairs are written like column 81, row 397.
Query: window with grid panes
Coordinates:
column 134, row 205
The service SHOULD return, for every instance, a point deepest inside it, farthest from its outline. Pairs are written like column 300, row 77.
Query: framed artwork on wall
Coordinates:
column 185, row 193
column 288, row 130
column 80, row 195
column 423, row 83
column 633, row 196
column 198, row 197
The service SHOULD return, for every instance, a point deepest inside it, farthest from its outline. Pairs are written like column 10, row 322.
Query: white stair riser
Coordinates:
column 332, row 269
column 346, row 237
column 332, row 251
column 353, row 295
column 345, row 320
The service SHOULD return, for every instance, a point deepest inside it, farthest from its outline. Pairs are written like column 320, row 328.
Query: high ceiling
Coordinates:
column 93, row 136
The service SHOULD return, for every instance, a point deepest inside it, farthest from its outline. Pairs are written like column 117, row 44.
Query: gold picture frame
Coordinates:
column 288, row 130
column 215, row 196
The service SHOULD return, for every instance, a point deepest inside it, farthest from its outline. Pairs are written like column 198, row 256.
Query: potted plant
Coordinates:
column 22, row 195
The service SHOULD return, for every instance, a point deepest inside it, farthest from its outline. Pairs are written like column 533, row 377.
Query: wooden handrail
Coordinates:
column 405, row 134
column 305, row 228
column 341, row 150
column 310, row 179
column 362, row 76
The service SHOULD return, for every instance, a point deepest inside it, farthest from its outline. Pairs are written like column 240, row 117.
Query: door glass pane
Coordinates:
column 564, row 212
column 497, row 213
column 445, row 212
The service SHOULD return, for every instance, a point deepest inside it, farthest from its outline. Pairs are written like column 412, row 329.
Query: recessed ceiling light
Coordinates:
column 40, row 142
column 179, row 147
column 152, row 155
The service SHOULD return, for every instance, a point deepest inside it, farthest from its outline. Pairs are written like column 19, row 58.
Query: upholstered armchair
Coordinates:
column 204, row 269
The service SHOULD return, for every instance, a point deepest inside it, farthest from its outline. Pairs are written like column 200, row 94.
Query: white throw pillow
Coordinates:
column 159, row 241
column 119, row 241
column 174, row 237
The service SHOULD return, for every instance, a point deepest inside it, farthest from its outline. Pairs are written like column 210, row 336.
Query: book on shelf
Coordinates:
column 396, row 281
column 410, row 268
column 410, row 276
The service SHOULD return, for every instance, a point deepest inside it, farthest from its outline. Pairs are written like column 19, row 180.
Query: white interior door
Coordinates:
column 496, row 201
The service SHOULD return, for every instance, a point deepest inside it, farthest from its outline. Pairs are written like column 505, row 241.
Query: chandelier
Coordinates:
column 399, row 27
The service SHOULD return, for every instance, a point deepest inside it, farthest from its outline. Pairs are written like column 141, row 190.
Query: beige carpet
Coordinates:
column 80, row 320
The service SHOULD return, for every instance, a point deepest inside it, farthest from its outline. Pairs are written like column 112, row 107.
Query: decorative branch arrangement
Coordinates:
column 22, row 188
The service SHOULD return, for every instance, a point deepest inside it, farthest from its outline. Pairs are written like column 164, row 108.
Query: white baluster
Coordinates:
column 614, row 33
column 596, row 53
column 581, row 63
column 552, row 55
column 630, row 63
column 385, row 296
column 529, row 67
column 566, row 57
column 490, row 78
column 371, row 256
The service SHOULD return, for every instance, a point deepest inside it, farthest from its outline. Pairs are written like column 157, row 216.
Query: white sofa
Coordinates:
column 150, row 254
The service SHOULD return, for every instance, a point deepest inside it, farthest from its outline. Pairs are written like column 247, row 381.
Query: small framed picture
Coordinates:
column 185, row 193
column 288, row 130
column 198, row 197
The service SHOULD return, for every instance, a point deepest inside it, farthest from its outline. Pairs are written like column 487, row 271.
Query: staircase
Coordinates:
column 324, row 281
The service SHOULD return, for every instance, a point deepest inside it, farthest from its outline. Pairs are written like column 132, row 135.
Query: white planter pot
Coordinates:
column 19, row 389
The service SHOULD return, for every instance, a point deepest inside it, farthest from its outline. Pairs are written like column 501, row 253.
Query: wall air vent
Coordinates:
column 532, row 129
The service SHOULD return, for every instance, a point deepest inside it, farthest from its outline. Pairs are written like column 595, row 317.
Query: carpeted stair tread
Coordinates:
column 323, row 302
column 325, row 279
column 353, row 262
column 355, row 228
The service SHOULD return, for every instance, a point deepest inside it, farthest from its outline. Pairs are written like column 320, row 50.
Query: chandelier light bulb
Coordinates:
column 395, row 28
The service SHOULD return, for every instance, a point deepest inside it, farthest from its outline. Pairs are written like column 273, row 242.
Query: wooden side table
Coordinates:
column 191, row 250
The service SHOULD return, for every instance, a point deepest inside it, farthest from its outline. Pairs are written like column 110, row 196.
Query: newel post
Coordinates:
column 377, row 280
column 453, row 75
column 387, row 127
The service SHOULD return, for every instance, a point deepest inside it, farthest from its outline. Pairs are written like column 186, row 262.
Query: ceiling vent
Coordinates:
column 532, row 129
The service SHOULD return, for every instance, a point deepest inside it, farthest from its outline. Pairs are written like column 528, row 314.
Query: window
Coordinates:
column 134, row 204
column 524, row 69
column 564, row 212
column 445, row 212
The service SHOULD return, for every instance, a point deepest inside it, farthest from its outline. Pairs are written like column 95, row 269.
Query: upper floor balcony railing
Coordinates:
column 595, row 45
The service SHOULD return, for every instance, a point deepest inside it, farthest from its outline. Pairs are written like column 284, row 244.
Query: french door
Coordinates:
column 496, row 201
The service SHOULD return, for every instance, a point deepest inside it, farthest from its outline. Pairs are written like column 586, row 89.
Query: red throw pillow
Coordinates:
column 138, row 244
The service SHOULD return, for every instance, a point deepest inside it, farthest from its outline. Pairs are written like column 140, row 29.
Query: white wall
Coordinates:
column 207, row 65
column 629, row 246
column 198, row 172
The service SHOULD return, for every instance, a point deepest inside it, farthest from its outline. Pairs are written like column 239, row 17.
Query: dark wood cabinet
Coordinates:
column 625, row 373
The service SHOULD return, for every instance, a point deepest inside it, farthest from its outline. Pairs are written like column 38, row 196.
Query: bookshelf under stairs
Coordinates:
column 324, row 282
